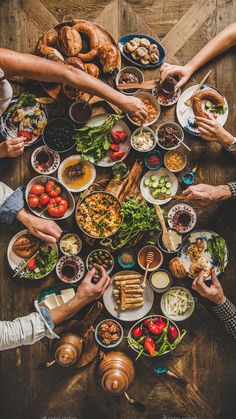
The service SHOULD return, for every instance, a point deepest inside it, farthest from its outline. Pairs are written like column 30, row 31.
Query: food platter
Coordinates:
column 128, row 315
column 127, row 38
column 204, row 258
column 186, row 116
column 23, row 118
column 16, row 262
column 162, row 172
column 55, row 90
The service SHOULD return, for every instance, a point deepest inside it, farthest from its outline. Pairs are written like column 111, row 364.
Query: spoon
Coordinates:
column 149, row 260
column 161, row 369
column 169, row 131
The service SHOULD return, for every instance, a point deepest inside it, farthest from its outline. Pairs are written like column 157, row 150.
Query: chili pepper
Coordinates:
column 178, row 340
column 153, row 161
column 26, row 134
column 149, row 346
column 156, row 329
column 114, row 147
column 119, row 136
column 116, row 155
column 172, row 333
column 137, row 332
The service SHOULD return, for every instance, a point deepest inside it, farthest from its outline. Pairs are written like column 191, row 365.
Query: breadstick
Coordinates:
column 133, row 300
column 122, row 295
column 131, row 306
column 133, row 296
column 127, row 277
column 133, row 287
column 132, row 281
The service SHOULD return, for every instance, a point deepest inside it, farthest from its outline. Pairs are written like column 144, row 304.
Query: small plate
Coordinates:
column 145, row 189
column 127, row 38
column 166, row 102
column 76, row 261
column 97, row 120
column 15, row 261
column 182, row 207
column 186, row 116
column 187, row 313
column 47, row 168
column 128, row 315
column 87, row 184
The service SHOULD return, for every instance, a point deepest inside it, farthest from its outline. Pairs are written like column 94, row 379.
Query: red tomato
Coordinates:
column 33, row 201
column 32, row 264
column 57, row 206
column 26, row 134
column 52, row 189
column 44, row 199
column 37, row 189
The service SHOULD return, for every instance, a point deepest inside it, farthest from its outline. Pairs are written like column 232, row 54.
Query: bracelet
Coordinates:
column 232, row 187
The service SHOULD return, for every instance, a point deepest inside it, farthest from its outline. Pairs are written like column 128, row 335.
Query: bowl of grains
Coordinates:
column 152, row 107
column 126, row 259
column 109, row 333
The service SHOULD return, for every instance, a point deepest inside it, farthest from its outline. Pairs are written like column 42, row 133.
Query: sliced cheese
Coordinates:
column 67, row 294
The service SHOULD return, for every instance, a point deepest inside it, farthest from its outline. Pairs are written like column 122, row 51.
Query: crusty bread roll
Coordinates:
column 92, row 69
column 75, row 62
column 25, row 246
column 109, row 57
column 69, row 41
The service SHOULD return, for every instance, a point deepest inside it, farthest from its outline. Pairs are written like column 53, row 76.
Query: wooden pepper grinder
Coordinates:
column 68, row 349
column 116, row 372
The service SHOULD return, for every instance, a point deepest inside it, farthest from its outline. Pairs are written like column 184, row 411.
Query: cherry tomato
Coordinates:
column 37, row 189
column 32, row 264
column 52, row 189
column 57, row 206
column 44, row 199
column 33, row 201
column 26, row 134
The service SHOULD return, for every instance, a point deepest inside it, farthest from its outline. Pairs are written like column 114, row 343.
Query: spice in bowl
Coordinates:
column 109, row 333
column 153, row 160
column 166, row 135
column 175, row 161
column 143, row 139
column 70, row 244
column 157, row 259
column 98, row 258
column 160, row 280
column 126, row 259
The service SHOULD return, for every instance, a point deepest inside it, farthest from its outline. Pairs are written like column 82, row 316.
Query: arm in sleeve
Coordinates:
column 232, row 187
column 11, row 202
column 226, row 313
column 26, row 330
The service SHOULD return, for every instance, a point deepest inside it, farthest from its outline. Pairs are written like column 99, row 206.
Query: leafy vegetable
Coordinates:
column 217, row 248
column 25, row 100
column 46, row 259
column 94, row 142
column 138, row 217
column 219, row 110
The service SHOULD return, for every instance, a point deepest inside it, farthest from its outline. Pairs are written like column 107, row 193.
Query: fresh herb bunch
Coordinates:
column 217, row 248
column 138, row 217
column 46, row 259
column 25, row 100
column 94, row 142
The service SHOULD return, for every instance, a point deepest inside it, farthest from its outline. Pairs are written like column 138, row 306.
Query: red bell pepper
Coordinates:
column 114, row 147
column 116, row 155
column 137, row 332
column 149, row 346
column 172, row 333
column 147, row 321
column 119, row 136
column 155, row 328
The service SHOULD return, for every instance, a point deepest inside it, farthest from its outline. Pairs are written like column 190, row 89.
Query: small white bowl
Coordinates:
column 102, row 250
column 79, row 242
column 153, row 101
column 171, row 124
column 168, row 167
column 144, row 129
column 133, row 70
column 187, row 313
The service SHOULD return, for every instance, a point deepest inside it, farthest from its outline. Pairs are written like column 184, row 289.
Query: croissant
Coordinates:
column 69, row 41
column 109, row 57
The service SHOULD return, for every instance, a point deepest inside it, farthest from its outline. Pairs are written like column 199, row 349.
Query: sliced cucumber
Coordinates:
column 168, row 185
column 163, row 189
column 168, row 191
column 208, row 105
column 153, row 178
column 147, row 182
column 155, row 184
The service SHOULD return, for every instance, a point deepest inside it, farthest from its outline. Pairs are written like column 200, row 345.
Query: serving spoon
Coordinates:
column 149, row 259
column 165, row 234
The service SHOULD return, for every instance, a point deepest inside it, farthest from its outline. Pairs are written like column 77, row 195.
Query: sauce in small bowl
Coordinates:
column 160, row 280
column 80, row 111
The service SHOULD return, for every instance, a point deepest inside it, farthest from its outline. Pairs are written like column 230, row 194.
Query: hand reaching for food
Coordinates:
column 89, row 291
column 182, row 71
column 211, row 130
column 13, row 147
column 46, row 230
column 204, row 194
column 214, row 292
column 135, row 107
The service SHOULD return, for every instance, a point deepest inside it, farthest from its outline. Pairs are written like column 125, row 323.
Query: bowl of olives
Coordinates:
column 98, row 258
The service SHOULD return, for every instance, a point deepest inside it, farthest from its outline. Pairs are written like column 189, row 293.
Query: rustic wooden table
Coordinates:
column 207, row 357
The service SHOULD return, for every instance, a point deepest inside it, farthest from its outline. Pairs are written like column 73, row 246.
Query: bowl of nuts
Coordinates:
column 109, row 333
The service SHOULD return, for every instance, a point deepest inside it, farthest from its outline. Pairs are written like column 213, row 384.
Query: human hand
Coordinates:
column 88, row 291
column 213, row 293
column 135, row 108
column 184, row 72
column 46, row 230
column 211, row 130
column 12, row 148
column 204, row 194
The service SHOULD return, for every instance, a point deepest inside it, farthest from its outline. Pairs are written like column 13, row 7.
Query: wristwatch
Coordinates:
column 232, row 147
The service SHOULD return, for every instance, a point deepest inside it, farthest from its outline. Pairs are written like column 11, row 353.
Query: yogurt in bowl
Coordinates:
column 143, row 139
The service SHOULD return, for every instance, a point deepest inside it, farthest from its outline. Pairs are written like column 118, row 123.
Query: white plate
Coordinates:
column 159, row 172
column 180, row 317
column 186, row 116
column 86, row 185
column 97, row 120
column 199, row 234
column 182, row 207
column 46, row 169
column 15, row 261
column 128, row 315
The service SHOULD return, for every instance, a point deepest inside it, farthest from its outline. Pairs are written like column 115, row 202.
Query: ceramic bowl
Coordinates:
column 133, row 70
column 155, row 267
column 169, row 124
column 105, row 251
column 160, row 290
column 153, row 101
column 147, row 129
column 59, row 123
column 184, row 316
column 66, row 236
column 162, row 247
column 113, row 345
column 182, row 155
column 153, row 153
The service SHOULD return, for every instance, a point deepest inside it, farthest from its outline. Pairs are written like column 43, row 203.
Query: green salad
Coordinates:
column 43, row 263
column 217, row 110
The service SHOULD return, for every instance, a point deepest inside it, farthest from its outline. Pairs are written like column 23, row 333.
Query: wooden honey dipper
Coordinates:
column 149, row 259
